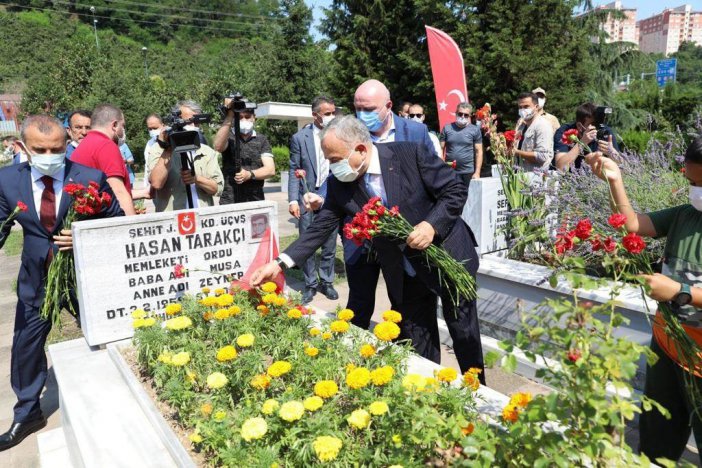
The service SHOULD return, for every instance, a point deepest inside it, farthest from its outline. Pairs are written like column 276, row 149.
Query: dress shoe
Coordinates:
column 308, row 295
column 328, row 290
column 19, row 431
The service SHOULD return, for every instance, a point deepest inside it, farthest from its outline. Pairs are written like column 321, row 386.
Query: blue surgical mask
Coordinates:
column 48, row 164
column 343, row 171
column 370, row 119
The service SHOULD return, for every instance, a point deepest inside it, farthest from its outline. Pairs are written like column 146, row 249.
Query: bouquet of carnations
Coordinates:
column 375, row 219
column 61, row 278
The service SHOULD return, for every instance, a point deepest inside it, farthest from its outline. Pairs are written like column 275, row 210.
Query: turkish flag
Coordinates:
column 449, row 74
column 267, row 251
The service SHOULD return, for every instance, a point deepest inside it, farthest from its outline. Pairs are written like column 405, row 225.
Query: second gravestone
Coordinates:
column 125, row 264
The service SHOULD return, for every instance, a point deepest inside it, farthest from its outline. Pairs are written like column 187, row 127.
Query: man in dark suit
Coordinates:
column 306, row 154
column 431, row 198
column 38, row 183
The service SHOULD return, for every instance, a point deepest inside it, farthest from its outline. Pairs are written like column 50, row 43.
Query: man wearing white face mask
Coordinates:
column 431, row 198
column 416, row 114
column 256, row 159
column 306, row 155
column 38, row 184
column 535, row 135
column 100, row 150
column 463, row 143
column 680, row 286
column 552, row 119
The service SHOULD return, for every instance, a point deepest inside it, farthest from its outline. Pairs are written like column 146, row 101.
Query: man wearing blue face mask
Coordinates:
column 38, row 183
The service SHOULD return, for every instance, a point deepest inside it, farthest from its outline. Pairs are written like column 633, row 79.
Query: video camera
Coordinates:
column 601, row 113
column 238, row 104
column 182, row 140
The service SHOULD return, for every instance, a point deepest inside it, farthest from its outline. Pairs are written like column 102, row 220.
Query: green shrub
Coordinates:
column 281, row 157
column 635, row 141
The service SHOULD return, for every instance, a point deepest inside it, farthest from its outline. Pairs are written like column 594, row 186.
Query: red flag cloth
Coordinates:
column 267, row 251
column 449, row 74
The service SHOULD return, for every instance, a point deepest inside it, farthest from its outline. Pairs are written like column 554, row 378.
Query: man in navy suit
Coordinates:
column 431, row 198
column 38, row 183
column 306, row 154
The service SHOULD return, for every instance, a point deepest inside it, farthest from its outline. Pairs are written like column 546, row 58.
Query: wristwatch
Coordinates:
column 253, row 176
column 684, row 296
column 281, row 263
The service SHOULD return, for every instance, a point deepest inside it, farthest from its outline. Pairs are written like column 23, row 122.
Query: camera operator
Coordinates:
column 170, row 181
column 256, row 157
column 590, row 123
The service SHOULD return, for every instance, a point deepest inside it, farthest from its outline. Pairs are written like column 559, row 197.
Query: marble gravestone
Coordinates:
column 128, row 263
column 486, row 213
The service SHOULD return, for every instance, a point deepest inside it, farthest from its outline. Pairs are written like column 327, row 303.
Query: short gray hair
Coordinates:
column 190, row 104
column 104, row 114
column 465, row 105
column 347, row 129
column 46, row 124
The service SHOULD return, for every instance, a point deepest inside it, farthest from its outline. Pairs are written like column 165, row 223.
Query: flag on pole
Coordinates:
column 449, row 74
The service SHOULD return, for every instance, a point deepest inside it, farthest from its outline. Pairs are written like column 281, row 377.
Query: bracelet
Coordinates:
column 281, row 263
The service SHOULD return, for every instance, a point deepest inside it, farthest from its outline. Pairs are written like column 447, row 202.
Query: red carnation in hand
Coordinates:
column 609, row 245
column 570, row 137
column 510, row 136
column 21, row 206
column 574, row 355
column 633, row 243
column 452, row 164
column 300, row 173
column 617, row 220
column 179, row 271
column 583, row 229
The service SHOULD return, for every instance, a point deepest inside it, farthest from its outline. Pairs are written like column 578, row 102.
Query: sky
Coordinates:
column 646, row 8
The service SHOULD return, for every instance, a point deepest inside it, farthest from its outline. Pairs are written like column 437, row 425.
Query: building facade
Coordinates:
column 663, row 33
column 620, row 30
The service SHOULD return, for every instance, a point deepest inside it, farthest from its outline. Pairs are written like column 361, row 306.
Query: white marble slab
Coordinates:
column 486, row 213
column 53, row 449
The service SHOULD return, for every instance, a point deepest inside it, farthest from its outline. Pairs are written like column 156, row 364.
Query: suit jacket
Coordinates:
column 303, row 155
column 409, row 130
column 425, row 189
column 16, row 185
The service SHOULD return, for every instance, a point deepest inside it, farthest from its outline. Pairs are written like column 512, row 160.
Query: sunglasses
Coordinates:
column 462, row 114
column 411, row 116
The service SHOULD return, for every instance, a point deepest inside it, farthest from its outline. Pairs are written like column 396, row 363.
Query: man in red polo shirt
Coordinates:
column 100, row 150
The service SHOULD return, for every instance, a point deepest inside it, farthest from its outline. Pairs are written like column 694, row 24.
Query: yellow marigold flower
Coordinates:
column 414, row 382
column 339, row 326
column 367, row 351
column 345, row 314
column 430, row 383
column 470, row 380
column 180, row 359
column 279, row 368
column 225, row 300
column 294, row 313
column 226, row 353
column 149, row 321
column 234, row 311
column 359, row 419
column 178, row 323
column 205, row 290
column 269, row 298
column 311, row 351
column 358, row 378
column 327, row 336
column 165, row 357
column 314, row 331
column 446, row 374
column 221, row 314
column 190, row 376
column 475, row 370
column 260, row 382
column 397, row 440
column 207, row 316
column 139, row 314
column 386, row 331
column 510, row 413
column 521, row 399
column 216, row 380
column 349, row 367
column 382, row 375
column 269, row 287
column 392, row 316
column 219, row 291
column 195, row 438
column 253, row 428
column 280, row 301
column 173, row 309
column 246, row 340
column 209, row 301
column 143, row 322
column 378, row 408
column 313, row 403
column 325, row 388
column 269, row 407
column 291, row 411
column 220, row 416
column 327, row 448
column 263, row 310
column 206, row 409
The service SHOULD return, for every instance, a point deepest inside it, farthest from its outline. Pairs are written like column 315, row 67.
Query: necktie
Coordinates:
column 47, row 211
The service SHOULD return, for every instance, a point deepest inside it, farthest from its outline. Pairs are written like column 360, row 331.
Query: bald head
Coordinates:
column 371, row 90
column 373, row 97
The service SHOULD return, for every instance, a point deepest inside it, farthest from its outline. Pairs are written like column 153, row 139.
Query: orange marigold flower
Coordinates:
column 468, row 430
column 510, row 413
column 261, row 382
column 471, row 380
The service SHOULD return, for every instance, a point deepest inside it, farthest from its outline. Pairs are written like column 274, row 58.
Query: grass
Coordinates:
column 69, row 330
column 13, row 244
column 296, row 273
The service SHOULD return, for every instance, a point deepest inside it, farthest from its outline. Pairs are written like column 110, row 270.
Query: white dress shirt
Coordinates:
column 387, row 137
column 38, row 189
column 322, row 163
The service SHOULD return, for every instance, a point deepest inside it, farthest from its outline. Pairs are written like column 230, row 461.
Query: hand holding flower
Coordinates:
column 603, row 167
column 64, row 240
column 422, row 236
column 662, row 288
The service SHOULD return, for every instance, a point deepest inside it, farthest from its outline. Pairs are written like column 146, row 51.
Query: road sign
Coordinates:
column 666, row 71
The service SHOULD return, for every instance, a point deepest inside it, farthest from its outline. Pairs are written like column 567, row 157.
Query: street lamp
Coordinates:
column 92, row 10
column 146, row 65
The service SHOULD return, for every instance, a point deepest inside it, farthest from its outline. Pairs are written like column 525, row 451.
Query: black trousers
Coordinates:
column 240, row 193
column 362, row 277
column 327, row 257
column 665, row 383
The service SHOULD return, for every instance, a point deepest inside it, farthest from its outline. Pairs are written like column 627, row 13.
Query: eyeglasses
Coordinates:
column 411, row 116
column 462, row 114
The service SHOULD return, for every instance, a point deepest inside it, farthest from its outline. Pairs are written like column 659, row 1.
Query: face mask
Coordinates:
column 154, row 133
column 417, row 119
column 122, row 139
column 371, row 120
column 246, row 126
column 462, row 121
column 526, row 114
column 696, row 198
column 48, row 164
column 326, row 120
column 542, row 102
column 343, row 171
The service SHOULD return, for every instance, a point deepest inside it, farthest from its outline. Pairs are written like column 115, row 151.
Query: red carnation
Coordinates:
column 609, row 244
column 583, row 229
column 574, row 355
column 21, row 206
column 617, row 220
column 570, row 137
column 452, row 164
column 179, row 271
column 596, row 243
column 300, row 173
column 633, row 243
column 564, row 242
column 510, row 136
